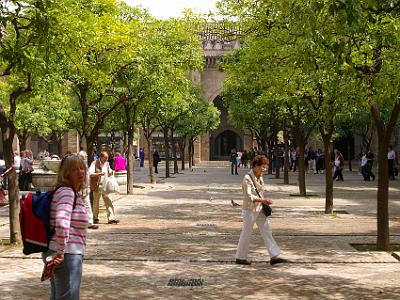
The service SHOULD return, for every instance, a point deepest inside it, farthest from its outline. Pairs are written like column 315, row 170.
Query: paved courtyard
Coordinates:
column 177, row 240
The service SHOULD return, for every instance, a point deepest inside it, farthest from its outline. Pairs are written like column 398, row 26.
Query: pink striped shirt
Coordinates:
column 70, row 224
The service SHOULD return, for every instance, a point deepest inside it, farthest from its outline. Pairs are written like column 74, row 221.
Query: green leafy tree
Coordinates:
column 201, row 117
column 23, row 59
column 47, row 109
column 368, row 32
column 98, row 45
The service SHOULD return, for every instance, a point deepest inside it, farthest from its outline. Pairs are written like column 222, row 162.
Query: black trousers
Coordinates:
column 234, row 166
column 338, row 174
column 24, row 180
column 391, row 169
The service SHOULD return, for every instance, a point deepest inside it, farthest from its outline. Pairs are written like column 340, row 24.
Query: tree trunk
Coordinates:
column 173, row 148
column 383, row 240
column 270, row 150
column 328, row 174
column 384, row 135
column 286, row 167
column 302, row 169
column 59, row 144
column 8, row 134
column 349, row 140
column 131, row 163
column 23, row 137
column 277, row 161
column 190, row 153
column 192, row 149
column 151, row 170
column 166, row 146
column 90, row 148
column 182, row 148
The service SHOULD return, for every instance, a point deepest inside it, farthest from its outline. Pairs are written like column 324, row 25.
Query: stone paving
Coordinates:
column 184, row 231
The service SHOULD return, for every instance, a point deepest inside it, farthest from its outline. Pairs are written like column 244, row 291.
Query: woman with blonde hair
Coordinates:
column 253, row 186
column 69, row 219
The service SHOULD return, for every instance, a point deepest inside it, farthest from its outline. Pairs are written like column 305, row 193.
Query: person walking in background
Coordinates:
column 3, row 173
column 156, row 160
column 244, row 159
column 363, row 165
column 69, row 219
column 370, row 164
column 26, row 169
column 141, row 157
column 111, row 155
column 312, row 158
column 252, row 187
column 119, row 162
column 320, row 161
column 233, row 161
column 391, row 162
column 99, row 169
column 250, row 156
column 338, row 166
column 239, row 158
column 294, row 159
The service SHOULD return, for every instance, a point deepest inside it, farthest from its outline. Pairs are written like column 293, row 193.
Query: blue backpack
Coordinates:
column 34, row 218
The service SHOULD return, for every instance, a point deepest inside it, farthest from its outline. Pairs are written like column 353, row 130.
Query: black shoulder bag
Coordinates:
column 266, row 208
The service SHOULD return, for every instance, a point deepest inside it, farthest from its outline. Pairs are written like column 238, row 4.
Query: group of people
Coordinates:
column 367, row 160
column 315, row 162
column 366, row 163
column 241, row 158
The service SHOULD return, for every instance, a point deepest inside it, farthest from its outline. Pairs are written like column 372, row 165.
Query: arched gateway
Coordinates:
column 226, row 137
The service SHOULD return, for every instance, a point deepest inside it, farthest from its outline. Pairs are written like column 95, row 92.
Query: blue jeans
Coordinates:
column 66, row 282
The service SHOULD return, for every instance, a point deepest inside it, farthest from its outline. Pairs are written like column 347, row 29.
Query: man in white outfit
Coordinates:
column 99, row 169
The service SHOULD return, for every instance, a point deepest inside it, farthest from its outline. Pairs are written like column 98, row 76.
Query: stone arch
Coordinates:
column 222, row 144
column 226, row 137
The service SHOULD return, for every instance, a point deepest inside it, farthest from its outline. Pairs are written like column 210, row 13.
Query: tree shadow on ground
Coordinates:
column 143, row 280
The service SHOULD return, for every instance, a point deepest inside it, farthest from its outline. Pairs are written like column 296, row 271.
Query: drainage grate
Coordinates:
column 206, row 225
column 185, row 282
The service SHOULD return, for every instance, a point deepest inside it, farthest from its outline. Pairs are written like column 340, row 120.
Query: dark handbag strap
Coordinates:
column 254, row 184
column 266, row 208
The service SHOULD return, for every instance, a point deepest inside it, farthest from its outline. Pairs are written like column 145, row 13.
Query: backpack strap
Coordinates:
column 60, row 186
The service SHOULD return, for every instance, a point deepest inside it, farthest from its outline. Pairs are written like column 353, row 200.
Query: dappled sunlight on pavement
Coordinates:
column 184, row 231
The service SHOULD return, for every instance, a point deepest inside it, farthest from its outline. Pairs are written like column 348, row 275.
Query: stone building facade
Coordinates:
column 216, row 145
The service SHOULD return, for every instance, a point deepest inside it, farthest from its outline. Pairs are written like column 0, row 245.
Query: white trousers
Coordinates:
column 89, row 209
column 312, row 166
column 249, row 218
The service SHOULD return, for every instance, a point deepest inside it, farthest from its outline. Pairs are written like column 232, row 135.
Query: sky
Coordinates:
column 173, row 8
